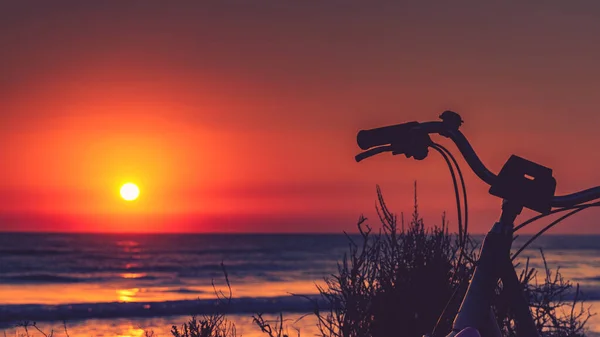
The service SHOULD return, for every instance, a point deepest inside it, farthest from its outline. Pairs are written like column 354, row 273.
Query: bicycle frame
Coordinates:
column 494, row 264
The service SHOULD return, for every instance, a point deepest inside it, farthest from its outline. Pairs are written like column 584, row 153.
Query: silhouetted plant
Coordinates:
column 397, row 281
column 29, row 325
column 275, row 330
column 214, row 324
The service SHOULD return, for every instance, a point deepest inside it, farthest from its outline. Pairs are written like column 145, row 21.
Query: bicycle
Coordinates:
column 520, row 183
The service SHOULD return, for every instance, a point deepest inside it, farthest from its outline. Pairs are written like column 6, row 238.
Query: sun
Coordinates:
column 130, row 191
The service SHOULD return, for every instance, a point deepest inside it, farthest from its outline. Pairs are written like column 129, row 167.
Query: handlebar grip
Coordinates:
column 367, row 139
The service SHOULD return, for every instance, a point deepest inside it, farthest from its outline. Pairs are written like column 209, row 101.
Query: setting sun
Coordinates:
column 130, row 191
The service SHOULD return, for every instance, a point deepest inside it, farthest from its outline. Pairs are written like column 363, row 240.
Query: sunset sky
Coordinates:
column 241, row 116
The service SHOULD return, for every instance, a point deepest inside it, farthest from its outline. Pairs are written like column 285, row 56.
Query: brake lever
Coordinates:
column 370, row 153
column 415, row 145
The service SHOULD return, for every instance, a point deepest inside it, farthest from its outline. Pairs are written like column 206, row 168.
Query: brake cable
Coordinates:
column 456, row 193
column 562, row 209
column 464, row 189
column 445, row 153
column 574, row 210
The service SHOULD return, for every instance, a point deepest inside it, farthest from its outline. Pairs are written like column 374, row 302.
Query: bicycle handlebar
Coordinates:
column 383, row 139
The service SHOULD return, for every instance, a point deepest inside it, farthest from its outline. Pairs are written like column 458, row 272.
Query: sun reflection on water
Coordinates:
column 132, row 332
column 129, row 246
column 132, row 265
column 127, row 295
column 133, row 275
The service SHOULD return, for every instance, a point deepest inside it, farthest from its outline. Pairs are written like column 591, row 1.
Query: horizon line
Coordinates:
column 248, row 233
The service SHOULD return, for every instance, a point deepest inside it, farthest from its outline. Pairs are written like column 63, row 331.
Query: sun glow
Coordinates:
column 130, row 191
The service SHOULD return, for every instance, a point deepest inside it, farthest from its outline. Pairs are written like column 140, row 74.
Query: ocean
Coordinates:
column 126, row 284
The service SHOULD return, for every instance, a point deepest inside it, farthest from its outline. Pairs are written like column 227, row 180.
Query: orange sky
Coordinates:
column 242, row 116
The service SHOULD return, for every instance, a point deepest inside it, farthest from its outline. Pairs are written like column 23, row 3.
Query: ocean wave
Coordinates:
column 42, row 278
column 253, row 268
column 53, row 279
column 34, row 252
column 9, row 314
column 184, row 291
column 151, row 277
column 118, row 253
column 588, row 293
